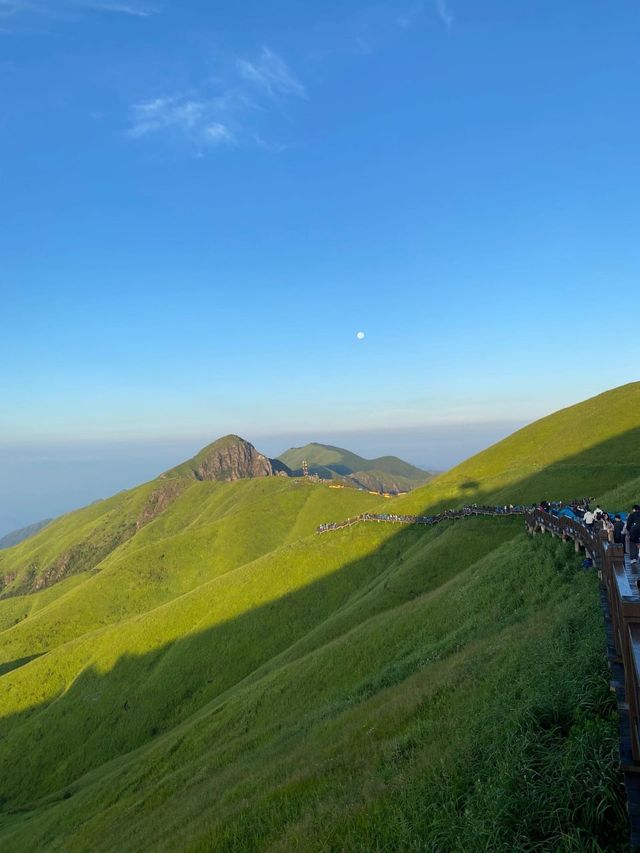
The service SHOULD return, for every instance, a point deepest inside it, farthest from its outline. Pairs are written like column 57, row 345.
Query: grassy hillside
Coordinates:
column 209, row 530
column 222, row 678
column 584, row 450
column 330, row 462
column 80, row 541
column 17, row 536
column 358, row 721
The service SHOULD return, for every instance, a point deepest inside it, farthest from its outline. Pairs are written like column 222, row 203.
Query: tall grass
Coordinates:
column 473, row 716
column 220, row 678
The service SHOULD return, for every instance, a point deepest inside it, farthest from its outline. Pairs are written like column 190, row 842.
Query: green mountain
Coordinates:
column 188, row 666
column 17, row 536
column 227, row 459
column 385, row 474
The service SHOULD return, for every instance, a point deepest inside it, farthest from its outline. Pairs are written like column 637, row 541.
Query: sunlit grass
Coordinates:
column 434, row 719
column 224, row 679
column 584, row 450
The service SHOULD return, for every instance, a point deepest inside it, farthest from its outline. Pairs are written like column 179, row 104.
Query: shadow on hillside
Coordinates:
column 8, row 666
column 589, row 473
column 101, row 716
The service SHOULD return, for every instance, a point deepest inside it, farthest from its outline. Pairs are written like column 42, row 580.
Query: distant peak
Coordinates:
column 388, row 473
column 232, row 438
column 227, row 459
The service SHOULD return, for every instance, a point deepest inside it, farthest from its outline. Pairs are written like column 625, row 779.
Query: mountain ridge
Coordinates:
column 14, row 537
column 329, row 462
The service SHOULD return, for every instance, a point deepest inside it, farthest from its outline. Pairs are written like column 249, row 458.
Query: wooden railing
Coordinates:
column 447, row 515
column 620, row 599
column 621, row 582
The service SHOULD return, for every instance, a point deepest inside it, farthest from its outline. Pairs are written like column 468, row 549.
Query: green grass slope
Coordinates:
column 396, row 717
column 342, row 461
column 209, row 530
column 222, row 678
column 80, row 541
column 331, row 462
column 584, row 450
column 17, row 536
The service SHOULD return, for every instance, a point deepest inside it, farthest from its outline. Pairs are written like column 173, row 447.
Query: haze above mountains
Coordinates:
column 42, row 480
column 232, row 458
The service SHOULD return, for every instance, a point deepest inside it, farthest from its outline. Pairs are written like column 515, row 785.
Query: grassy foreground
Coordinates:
column 188, row 667
column 475, row 716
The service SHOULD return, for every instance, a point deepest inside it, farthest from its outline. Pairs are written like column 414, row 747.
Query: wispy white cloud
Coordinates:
column 14, row 14
column 444, row 12
column 194, row 117
column 270, row 73
column 136, row 10
column 217, row 132
column 220, row 114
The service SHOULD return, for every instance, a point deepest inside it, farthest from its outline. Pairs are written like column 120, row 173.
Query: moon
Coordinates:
column 360, row 336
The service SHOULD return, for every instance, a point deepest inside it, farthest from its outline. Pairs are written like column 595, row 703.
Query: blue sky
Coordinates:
column 202, row 203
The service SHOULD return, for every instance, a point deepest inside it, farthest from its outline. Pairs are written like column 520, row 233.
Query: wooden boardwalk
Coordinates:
column 447, row 515
column 620, row 602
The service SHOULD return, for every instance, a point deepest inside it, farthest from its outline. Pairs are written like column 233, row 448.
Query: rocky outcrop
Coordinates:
column 233, row 462
column 228, row 459
column 158, row 501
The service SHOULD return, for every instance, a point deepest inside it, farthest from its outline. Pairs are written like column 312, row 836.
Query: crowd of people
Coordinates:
column 620, row 528
column 446, row 515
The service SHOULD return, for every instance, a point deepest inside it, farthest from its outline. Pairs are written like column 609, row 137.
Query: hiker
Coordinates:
column 608, row 527
column 632, row 518
column 634, row 542
column 588, row 519
column 618, row 530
